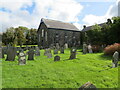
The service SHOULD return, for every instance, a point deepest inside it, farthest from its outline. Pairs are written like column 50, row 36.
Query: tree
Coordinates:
column 8, row 36
column 31, row 36
column 94, row 35
column 19, row 36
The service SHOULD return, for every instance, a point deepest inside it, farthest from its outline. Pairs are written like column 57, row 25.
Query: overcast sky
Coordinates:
column 28, row 13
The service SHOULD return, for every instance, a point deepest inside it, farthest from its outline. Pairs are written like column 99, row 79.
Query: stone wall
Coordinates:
column 49, row 37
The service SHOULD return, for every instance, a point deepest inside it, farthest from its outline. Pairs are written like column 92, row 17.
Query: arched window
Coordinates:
column 42, row 32
column 46, row 36
column 39, row 37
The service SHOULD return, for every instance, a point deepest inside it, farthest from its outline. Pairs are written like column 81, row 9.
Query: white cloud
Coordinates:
column 93, row 19
column 64, row 10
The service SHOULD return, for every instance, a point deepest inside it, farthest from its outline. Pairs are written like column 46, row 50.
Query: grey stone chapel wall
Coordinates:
column 48, row 37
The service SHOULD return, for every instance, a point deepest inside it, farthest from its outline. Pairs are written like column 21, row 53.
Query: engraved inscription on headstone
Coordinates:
column 21, row 58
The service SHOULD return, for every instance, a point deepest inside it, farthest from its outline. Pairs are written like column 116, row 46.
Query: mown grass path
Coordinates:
column 45, row 73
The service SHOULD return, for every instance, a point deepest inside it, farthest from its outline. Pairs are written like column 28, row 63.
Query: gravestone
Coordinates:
column 55, row 51
column 5, row 50
column 21, row 58
column 57, row 46
column 62, row 50
column 31, row 54
column 45, row 52
column 37, row 51
column 73, row 53
column 90, row 49
column 115, row 59
column 84, row 48
column 57, row 58
column 3, row 53
column 88, row 86
column 66, row 46
column 11, row 54
column 49, row 54
column 0, row 52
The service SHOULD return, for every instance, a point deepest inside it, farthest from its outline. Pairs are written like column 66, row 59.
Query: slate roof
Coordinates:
column 54, row 24
column 90, row 27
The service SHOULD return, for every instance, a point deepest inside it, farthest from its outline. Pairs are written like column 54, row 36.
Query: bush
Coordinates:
column 109, row 50
column 96, row 48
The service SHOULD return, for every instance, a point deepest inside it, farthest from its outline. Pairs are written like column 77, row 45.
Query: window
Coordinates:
column 42, row 32
column 39, row 37
column 46, row 36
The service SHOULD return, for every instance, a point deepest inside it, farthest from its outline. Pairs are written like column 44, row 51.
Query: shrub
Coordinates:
column 110, row 49
column 96, row 48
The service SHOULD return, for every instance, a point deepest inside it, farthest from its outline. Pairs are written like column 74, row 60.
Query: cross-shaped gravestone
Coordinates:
column 21, row 58
column 11, row 54
column 115, row 59
column 57, row 58
column 31, row 54
column 37, row 51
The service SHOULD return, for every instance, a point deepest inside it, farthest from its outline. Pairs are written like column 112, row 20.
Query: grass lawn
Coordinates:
column 45, row 73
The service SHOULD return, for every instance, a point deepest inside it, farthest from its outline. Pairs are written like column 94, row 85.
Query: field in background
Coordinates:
column 45, row 73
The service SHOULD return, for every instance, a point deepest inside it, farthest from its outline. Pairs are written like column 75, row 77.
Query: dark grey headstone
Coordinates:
column 3, row 53
column 11, row 54
column 37, row 51
column 21, row 58
column 73, row 53
column 31, row 54
column 57, row 58
column 45, row 52
column 62, row 50
column 87, row 86
column 0, row 52
column 5, row 50
column 49, row 54
column 55, row 51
